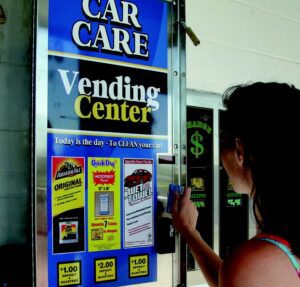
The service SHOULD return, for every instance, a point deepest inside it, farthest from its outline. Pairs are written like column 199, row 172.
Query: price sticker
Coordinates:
column 139, row 266
column 105, row 270
column 69, row 273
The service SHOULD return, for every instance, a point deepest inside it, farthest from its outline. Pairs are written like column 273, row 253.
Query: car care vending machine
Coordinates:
column 110, row 103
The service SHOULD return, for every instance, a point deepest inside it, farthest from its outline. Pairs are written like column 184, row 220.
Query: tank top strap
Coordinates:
column 283, row 245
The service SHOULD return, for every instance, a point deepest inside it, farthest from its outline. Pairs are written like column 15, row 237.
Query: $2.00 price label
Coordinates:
column 69, row 273
column 105, row 269
column 138, row 266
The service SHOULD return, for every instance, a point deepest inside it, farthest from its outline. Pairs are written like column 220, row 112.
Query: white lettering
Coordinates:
column 78, row 26
column 64, row 77
column 118, row 90
column 95, row 37
column 132, row 16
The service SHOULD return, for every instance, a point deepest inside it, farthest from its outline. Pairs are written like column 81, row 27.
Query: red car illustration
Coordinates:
column 139, row 176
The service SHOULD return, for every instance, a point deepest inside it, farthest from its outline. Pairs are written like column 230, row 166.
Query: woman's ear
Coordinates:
column 239, row 150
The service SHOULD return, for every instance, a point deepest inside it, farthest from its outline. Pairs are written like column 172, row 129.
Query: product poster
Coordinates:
column 68, row 187
column 104, row 204
column 138, row 202
column 108, row 108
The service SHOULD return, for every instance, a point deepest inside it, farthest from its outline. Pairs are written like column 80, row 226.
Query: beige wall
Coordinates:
column 242, row 41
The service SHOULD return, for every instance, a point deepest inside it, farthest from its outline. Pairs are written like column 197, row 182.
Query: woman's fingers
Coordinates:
column 186, row 195
column 181, row 200
column 175, row 206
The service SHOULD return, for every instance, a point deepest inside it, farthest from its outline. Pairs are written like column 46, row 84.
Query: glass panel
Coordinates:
column 204, row 101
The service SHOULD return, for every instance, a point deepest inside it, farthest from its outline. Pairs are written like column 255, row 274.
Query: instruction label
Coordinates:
column 105, row 270
column 69, row 273
column 139, row 266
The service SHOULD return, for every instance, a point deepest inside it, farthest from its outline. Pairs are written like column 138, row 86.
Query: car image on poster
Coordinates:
column 138, row 203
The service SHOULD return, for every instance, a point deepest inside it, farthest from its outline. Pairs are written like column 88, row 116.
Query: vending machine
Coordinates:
column 110, row 106
column 223, row 218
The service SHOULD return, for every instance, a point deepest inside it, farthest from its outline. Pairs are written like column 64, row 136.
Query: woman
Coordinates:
column 260, row 153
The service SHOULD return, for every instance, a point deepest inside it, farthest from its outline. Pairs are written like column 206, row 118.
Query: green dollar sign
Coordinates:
column 199, row 148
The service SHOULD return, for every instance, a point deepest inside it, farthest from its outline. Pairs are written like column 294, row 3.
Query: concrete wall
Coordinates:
column 15, row 111
column 242, row 41
column 15, row 106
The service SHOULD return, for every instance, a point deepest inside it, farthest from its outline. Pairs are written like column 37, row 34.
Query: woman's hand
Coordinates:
column 184, row 214
column 185, row 217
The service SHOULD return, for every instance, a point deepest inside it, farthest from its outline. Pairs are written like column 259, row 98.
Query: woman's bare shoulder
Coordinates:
column 258, row 263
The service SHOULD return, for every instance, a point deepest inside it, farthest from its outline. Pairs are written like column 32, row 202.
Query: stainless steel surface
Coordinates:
column 41, row 247
column 178, row 67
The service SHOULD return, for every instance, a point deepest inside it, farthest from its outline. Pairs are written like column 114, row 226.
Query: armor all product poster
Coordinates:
column 68, row 201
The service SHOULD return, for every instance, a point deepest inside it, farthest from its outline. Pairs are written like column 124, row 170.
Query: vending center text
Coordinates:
column 88, row 104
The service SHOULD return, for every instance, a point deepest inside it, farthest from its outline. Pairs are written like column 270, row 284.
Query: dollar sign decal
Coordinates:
column 198, row 149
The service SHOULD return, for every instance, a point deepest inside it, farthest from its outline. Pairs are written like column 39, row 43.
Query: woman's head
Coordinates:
column 260, row 130
column 233, row 161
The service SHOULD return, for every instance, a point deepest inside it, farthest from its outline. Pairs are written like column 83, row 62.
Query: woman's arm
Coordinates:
column 185, row 215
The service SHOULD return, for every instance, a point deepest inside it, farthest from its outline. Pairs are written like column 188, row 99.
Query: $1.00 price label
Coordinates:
column 69, row 273
column 138, row 266
column 105, row 270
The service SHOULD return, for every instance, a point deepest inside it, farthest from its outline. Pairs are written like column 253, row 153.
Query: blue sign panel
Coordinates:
column 101, row 209
column 108, row 107
column 131, row 31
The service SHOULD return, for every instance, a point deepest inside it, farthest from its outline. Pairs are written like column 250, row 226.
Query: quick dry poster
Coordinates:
column 104, row 204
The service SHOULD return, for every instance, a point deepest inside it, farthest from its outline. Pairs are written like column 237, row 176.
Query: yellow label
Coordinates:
column 69, row 273
column 67, row 184
column 139, row 266
column 105, row 270
column 104, row 204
